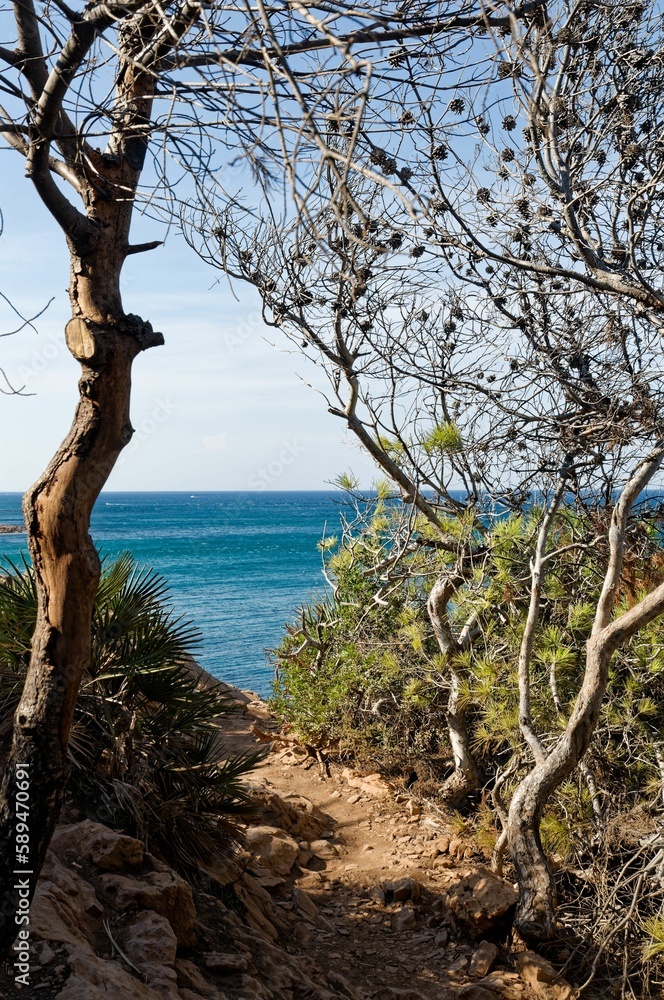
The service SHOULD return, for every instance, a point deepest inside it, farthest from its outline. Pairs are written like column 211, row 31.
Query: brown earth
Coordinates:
column 347, row 889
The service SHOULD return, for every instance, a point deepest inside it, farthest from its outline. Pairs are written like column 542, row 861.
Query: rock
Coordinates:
column 59, row 912
column 258, row 904
column 414, row 809
column 303, row 933
column 323, row 849
column 482, row 900
column 456, row 846
column 149, row 942
column 341, row 983
column 305, row 904
column 373, row 785
column 162, row 891
column 296, row 814
column 403, row 919
column 395, row 993
column 476, row 992
column 441, row 939
column 105, row 848
column 541, row 976
column 224, row 963
column 483, row 958
column 43, row 954
column 401, row 890
column 186, row 994
column 507, row 984
column 150, row 938
column 190, row 977
column 459, row 964
column 377, row 893
column 277, row 850
column 94, row 978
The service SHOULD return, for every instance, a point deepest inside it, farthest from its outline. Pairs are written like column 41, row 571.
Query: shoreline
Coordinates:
column 13, row 529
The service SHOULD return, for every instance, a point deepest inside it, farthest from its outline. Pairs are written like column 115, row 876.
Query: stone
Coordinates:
column 149, row 940
column 105, row 848
column 94, row 978
column 305, row 904
column 403, row 919
column 323, row 849
column 459, row 964
column 340, row 982
column 58, row 913
column 190, row 977
column 481, row 900
column 397, row 993
column 43, row 954
column 373, row 785
column 483, row 958
column 456, row 846
column 401, row 890
column 162, row 891
column 476, row 992
column 276, row 849
column 303, row 933
column 541, row 976
column 508, row 984
column 377, row 893
column 224, row 963
column 294, row 813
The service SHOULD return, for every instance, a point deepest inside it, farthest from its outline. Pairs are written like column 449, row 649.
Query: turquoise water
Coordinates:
column 238, row 564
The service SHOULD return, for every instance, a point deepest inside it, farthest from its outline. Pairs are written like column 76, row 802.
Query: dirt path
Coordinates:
column 410, row 946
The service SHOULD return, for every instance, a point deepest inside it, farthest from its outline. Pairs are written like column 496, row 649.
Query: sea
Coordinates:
column 238, row 565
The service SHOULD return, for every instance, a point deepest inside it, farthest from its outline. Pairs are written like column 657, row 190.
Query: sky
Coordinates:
column 224, row 405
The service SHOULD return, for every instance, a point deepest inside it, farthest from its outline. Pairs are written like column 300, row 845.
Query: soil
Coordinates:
column 382, row 949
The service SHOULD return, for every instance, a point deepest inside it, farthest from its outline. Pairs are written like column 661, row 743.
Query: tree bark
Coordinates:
column 57, row 512
column 536, row 908
column 463, row 780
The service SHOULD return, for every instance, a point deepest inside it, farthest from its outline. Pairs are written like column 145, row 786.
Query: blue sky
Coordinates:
column 218, row 408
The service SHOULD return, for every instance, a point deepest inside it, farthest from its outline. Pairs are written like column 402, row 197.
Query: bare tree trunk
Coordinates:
column 463, row 780
column 57, row 512
column 536, row 909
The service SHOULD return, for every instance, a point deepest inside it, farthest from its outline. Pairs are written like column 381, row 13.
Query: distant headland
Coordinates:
column 12, row 529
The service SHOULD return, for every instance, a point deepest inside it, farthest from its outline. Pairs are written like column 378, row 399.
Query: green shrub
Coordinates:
column 145, row 751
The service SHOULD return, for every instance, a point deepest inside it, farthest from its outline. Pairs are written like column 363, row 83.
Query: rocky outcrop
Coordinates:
column 108, row 850
column 294, row 813
column 481, row 901
column 276, row 850
column 111, row 921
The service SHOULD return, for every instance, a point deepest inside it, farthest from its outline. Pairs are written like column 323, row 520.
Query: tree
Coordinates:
column 182, row 82
column 517, row 347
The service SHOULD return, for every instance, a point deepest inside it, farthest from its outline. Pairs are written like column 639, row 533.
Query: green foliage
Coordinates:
column 377, row 685
column 145, row 748
column 445, row 438
column 654, row 928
